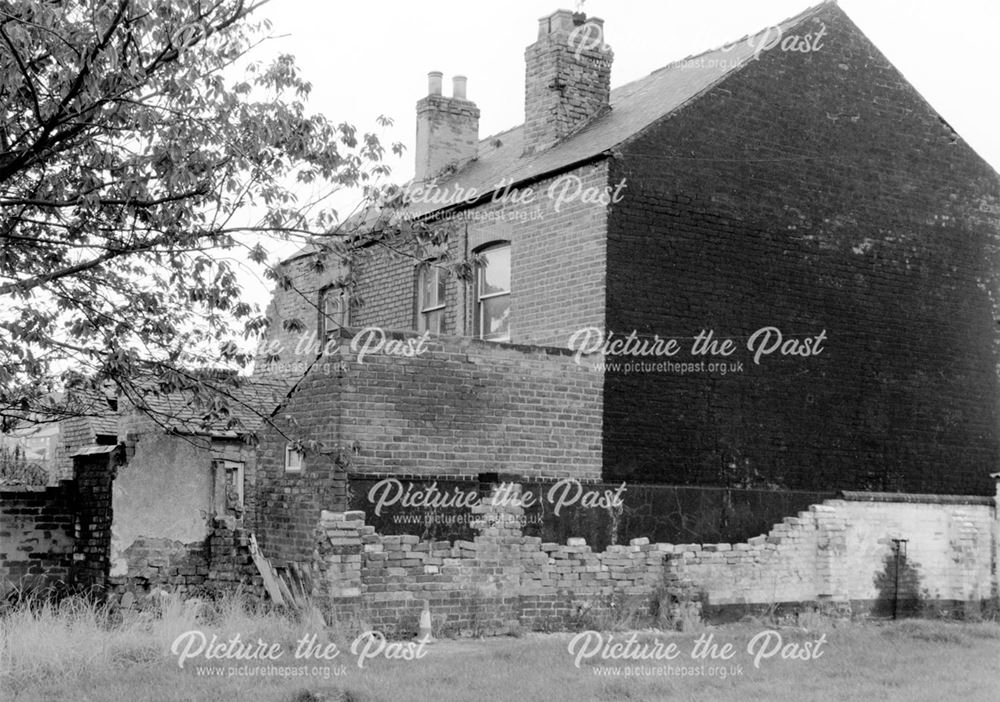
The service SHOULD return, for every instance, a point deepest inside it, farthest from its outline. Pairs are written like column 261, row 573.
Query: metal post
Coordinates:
column 899, row 546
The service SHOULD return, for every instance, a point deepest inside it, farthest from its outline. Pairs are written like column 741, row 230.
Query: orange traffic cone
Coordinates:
column 425, row 636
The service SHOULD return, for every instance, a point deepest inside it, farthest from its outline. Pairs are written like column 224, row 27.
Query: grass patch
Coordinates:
column 78, row 650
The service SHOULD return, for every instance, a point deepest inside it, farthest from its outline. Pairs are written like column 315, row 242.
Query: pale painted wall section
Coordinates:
column 841, row 550
column 165, row 491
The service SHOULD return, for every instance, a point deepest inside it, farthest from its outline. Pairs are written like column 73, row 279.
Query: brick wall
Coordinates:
column 823, row 194
column 493, row 583
column 558, row 510
column 462, row 408
column 838, row 553
column 306, row 275
column 36, row 536
column 94, row 477
column 567, row 79
column 219, row 563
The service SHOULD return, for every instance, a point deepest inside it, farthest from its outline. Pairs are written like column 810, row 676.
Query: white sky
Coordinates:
column 372, row 57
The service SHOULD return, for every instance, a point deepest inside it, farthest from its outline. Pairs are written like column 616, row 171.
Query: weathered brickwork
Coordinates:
column 221, row 562
column 295, row 345
column 567, row 79
column 837, row 553
column 557, row 271
column 461, row 408
column 36, row 536
column 815, row 192
column 94, row 477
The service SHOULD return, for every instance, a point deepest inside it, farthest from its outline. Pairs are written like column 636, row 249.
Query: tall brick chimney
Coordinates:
column 447, row 128
column 567, row 78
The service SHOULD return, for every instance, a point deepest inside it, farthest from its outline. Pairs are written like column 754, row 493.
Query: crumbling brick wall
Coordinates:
column 220, row 563
column 835, row 553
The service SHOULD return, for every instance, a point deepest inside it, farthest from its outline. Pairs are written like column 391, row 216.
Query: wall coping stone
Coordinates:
column 857, row 496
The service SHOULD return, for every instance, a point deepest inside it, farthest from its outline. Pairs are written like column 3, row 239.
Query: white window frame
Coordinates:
column 342, row 318
column 423, row 311
column 479, row 297
column 294, row 460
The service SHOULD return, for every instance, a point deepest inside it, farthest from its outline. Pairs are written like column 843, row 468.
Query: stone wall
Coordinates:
column 839, row 553
column 36, row 536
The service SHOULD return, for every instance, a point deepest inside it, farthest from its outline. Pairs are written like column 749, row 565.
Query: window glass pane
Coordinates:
column 494, row 276
column 431, row 286
column 432, row 321
column 334, row 307
column 495, row 316
column 441, row 280
column 423, row 285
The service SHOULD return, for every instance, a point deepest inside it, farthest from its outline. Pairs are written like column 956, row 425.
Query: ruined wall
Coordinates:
column 94, row 476
column 219, row 563
column 459, row 408
column 810, row 192
column 166, row 542
column 36, row 536
column 836, row 553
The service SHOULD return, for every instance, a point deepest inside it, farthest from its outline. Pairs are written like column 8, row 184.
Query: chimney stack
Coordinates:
column 447, row 128
column 567, row 78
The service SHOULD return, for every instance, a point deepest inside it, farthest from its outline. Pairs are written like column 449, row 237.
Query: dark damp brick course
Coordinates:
column 661, row 513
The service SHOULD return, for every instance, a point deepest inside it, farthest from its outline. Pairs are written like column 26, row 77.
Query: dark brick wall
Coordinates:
column 663, row 513
column 36, row 536
column 810, row 192
column 94, row 475
column 463, row 408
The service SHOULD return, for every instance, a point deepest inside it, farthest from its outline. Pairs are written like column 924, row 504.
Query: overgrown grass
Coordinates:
column 78, row 650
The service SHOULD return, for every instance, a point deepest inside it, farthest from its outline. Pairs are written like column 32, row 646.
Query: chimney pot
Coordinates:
column 560, row 21
column 447, row 128
column 434, row 82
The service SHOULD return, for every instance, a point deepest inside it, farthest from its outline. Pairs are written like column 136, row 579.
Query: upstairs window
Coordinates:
column 492, row 320
column 334, row 311
column 431, row 280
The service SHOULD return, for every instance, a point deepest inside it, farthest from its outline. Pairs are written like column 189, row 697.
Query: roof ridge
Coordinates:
column 792, row 21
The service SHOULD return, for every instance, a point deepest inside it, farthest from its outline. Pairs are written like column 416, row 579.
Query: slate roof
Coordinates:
column 249, row 403
column 634, row 107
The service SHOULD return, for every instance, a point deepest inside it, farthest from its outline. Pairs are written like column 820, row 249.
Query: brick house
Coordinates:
column 790, row 194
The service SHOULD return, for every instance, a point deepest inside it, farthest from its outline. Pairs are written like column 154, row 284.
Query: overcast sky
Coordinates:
column 368, row 58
